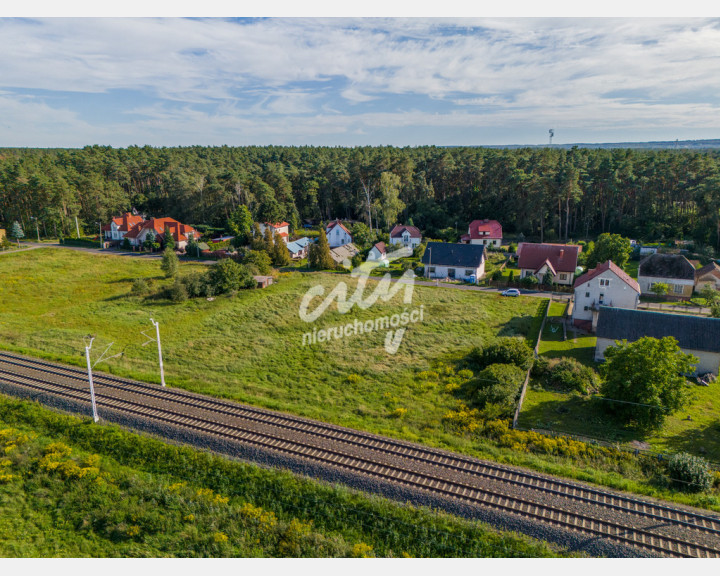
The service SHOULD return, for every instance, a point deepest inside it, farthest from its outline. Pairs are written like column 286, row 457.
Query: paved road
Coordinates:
column 109, row 252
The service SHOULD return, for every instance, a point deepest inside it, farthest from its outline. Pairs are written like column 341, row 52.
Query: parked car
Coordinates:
column 511, row 292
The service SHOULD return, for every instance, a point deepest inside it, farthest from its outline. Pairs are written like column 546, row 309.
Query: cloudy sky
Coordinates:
column 74, row 81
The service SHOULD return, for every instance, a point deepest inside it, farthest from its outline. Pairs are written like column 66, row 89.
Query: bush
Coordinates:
column 503, row 351
column 140, row 287
column 529, row 281
column 170, row 263
column 498, row 384
column 126, row 244
column 177, row 292
column 195, row 284
column 689, row 473
column 420, row 271
column 228, row 275
column 569, row 374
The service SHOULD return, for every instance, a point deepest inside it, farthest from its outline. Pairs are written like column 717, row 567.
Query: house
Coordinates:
column 282, row 229
column 708, row 276
column 647, row 250
column 337, row 234
column 455, row 261
column 407, row 236
column 299, row 248
column 180, row 232
column 378, row 252
column 344, row 252
column 560, row 260
column 118, row 227
column 695, row 335
column 485, row 232
column 605, row 285
column 672, row 269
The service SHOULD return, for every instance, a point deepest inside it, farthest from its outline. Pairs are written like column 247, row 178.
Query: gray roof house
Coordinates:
column 696, row 335
column 672, row 269
column 454, row 261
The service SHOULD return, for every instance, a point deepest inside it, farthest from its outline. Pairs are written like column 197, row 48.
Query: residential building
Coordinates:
column 647, row 250
column 378, row 252
column 337, row 234
column 672, row 269
column 408, row 236
column 708, row 276
column 118, row 227
column 180, row 232
column 344, row 252
column 696, row 335
column 263, row 281
column 299, row 248
column 605, row 285
column 560, row 260
column 454, row 261
column 282, row 229
column 484, row 232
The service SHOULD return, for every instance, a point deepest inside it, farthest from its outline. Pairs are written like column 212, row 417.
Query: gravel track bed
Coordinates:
column 573, row 540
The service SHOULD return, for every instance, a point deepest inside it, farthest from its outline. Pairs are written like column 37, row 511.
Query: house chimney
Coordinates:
column 562, row 252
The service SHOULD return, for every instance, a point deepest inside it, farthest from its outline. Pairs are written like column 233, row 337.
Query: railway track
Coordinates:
column 659, row 528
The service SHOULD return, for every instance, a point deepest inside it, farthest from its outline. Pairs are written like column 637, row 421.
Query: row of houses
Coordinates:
column 135, row 228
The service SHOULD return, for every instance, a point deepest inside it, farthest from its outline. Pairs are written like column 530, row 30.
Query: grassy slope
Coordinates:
column 249, row 348
column 69, row 488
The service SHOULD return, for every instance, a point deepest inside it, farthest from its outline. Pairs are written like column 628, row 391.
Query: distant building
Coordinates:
column 695, row 335
column 708, row 276
column 344, row 252
column 605, row 285
column 539, row 259
column 484, row 232
column 180, row 232
column 299, row 248
column 455, row 261
column 337, row 234
column 378, row 252
column 118, row 227
column 263, row 281
column 282, row 229
column 407, row 236
column 672, row 269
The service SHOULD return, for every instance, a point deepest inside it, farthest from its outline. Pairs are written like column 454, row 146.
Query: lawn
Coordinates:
column 249, row 347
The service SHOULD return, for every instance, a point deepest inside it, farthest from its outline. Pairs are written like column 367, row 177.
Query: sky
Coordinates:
column 71, row 82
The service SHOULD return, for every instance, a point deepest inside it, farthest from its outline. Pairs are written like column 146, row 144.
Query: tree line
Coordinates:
column 545, row 194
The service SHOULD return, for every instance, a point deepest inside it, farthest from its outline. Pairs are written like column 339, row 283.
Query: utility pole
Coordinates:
column 101, row 238
column 156, row 339
column 90, row 367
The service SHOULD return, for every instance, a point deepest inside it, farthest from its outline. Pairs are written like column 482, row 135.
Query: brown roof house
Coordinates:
column 408, row 236
column 708, row 276
column 558, row 259
column 672, row 269
column 605, row 285
column 485, row 232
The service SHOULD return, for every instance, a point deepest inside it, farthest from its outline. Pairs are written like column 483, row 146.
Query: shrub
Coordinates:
column 228, row 275
column 503, row 351
column 569, row 374
column 689, row 473
column 497, row 384
column 178, row 292
column 169, row 263
column 195, row 284
column 529, row 281
column 126, row 244
column 140, row 287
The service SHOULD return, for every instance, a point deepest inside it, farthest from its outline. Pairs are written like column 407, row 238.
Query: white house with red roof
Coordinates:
column 539, row 259
column 483, row 232
column 378, row 252
column 406, row 236
column 606, row 285
column 180, row 232
column 337, row 234
column 282, row 229
column 121, row 225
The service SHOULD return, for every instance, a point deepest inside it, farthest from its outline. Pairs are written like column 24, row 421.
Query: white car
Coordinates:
column 511, row 292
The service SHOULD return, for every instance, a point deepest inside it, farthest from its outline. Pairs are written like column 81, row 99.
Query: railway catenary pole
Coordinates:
column 90, row 379
column 157, row 332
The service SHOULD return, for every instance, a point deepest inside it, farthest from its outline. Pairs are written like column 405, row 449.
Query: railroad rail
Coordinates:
column 660, row 528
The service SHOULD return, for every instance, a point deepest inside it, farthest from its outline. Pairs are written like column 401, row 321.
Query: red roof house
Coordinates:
column 121, row 225
column 558, row 259
column 180, row 232
column 485, row 232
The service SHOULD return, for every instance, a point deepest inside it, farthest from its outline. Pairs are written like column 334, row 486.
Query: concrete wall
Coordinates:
column 460, row 273
column 708, row 361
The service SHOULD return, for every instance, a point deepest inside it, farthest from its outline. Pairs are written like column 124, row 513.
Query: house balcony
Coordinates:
column 595, row 306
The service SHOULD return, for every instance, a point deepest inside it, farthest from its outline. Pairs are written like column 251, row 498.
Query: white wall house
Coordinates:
column 337, row 234
column 408, row 236
column 282, row 229
column 485, row 232
column 454, row 261
column 606, row 285
column 378, row 252
column 672, row 269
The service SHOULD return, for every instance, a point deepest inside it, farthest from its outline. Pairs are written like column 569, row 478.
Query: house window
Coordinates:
column 431, row 270
column 563, row 276
column 451, row 272
column 678, row 288
column 604, row 282
column 469, row 272
column 587, row 294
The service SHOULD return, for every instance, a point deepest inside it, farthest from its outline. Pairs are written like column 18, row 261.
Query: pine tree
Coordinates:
column 268, row 243
column 169, row 240
column 257, row 243
column 319, row 253
column 169, row 263
column 17, row 232
column 280, row 255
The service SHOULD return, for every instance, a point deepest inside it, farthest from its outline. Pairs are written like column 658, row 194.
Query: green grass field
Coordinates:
column 249, row 347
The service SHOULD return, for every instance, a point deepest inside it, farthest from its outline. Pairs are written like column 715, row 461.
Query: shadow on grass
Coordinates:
column 702, row 441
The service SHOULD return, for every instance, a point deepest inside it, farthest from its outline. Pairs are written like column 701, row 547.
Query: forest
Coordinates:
column 543, row 194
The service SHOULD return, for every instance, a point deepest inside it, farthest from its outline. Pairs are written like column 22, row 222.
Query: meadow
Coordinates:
column 249, row 347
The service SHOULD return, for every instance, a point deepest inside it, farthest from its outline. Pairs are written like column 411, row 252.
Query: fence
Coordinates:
column 523, row 390
column 677, row 308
